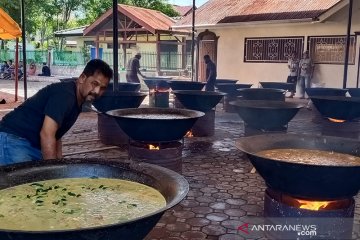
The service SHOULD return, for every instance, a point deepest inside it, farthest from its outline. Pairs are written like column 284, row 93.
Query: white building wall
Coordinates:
column 230, row 61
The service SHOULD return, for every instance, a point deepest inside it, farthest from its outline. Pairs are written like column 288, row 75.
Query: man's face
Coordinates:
column 206, row 60
column 92, row 87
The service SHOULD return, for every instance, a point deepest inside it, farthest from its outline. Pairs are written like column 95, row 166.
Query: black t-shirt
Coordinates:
column 58, row 101
column 46, row 71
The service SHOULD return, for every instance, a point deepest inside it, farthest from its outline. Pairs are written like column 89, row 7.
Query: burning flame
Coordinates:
column 189, row 134
column 336, row 120
column 313, row 205
column 153, row 147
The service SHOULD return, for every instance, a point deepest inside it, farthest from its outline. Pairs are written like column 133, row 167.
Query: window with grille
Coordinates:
column 331, row 49
column 275, row 50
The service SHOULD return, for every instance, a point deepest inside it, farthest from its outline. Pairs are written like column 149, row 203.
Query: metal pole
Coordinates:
column 346, row 64
column 24, row 46
column 193, row 41
column 115, row 44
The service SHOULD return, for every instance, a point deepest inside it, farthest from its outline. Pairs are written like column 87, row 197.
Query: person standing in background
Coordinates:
column 133, row 69
column 210, row 74
column 306, row 72
column 293, row 65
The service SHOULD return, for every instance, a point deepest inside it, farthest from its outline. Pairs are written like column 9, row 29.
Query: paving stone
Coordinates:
column 231, row 237
column 184, row 214
column 219, row 205
column 193, row 235
column 178, row 227
column 202, row 210
column 235, row 212
column 198, row 222
column 214, row 230
column 217, row 217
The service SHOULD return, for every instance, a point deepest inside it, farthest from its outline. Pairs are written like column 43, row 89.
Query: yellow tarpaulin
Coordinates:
column 9, row 29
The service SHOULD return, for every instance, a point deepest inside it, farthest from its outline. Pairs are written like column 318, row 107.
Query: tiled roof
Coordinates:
column 155, row 19
column 182, row 10
column 226, row 11
column 78, row 31
column 150, row 20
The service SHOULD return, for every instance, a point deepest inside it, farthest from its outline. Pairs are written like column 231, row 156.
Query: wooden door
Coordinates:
column 207, row 46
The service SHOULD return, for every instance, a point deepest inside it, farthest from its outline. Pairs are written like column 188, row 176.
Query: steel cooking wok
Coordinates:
column 304, row 180
column 155, row 124
column 170, row 184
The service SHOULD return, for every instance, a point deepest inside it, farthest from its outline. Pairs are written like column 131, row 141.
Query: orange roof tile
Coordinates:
column 221, row 11
column 182, row 10
column 150, row 20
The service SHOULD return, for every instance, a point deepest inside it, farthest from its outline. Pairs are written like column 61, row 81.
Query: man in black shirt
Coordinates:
column 210, row 74
column 33, row 130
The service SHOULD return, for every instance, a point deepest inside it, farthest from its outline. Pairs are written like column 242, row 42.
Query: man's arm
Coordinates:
column 47, row 138
column 59, row 154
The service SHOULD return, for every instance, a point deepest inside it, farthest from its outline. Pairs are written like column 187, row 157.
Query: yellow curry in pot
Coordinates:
column 73, row 203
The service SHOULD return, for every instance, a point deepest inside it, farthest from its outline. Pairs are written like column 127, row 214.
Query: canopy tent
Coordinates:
column 10, row 30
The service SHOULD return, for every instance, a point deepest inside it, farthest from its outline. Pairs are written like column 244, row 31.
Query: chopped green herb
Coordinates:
column 2, row 215
column 36, row 184
column 71, row 194
column 13, row 196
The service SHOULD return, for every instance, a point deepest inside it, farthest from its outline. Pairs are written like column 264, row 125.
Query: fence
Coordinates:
column 168, row 60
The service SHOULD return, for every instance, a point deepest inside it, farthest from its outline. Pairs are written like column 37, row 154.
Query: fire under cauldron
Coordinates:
column 262, row 94
column 170, row 184
column 184, row 85
column 266, row 115
column 203, row 101
column 306, row 194
column 159, row 91
column 232, row 93
column 109, row 131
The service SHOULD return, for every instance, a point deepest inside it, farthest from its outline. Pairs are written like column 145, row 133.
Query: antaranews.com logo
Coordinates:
column 299, row 229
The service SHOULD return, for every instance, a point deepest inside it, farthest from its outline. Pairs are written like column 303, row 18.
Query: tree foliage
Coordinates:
column 43, row 18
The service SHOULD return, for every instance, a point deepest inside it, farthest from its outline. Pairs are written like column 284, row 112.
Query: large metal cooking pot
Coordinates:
column 155, row 124
column 304, row 180
column 157, row 82
column 199, row 100
column 266, row 115
column 325, row 92
column 262, row 94
column 170, row 184
column 278, row 85
column 231, row 89
column 115, row 100
column 186, row 85
column 124, row 87
column 354, row 92
column 221, row 80
column 341, row 108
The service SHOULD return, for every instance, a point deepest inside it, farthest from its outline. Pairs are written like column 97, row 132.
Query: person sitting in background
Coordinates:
column 4, row 66
column 32, row 69
column 9, row 71
column 45, row 71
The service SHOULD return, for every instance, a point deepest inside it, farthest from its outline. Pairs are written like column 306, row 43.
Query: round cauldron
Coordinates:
column 170, row 184
column 155, row 124
column 304, row 180
column 199, row 100
column 325, row 92
column 231, row 89
column 278, row 85
column 337, row 107
column 115, row 100
column 354, row 92
column 186, row 85
column 266, row 115
column 231, row 81
column 262, row 94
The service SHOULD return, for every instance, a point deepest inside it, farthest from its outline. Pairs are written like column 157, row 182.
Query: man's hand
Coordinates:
column 47, row 138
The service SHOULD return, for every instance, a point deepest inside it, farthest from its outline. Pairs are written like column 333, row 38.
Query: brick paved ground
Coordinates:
column 223, row 191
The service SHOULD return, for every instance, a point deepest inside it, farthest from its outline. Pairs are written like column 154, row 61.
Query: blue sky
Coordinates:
column 187, row 2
